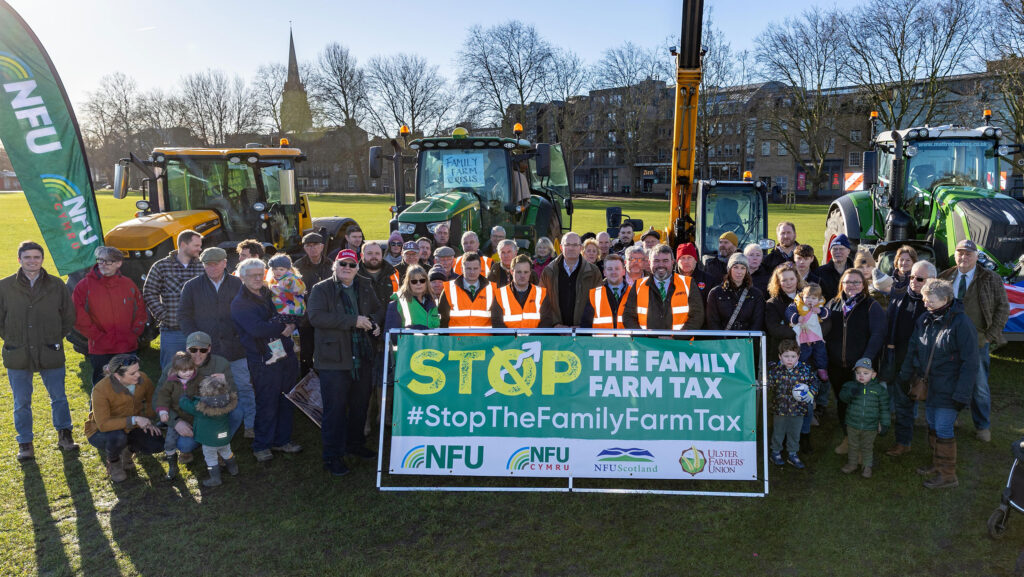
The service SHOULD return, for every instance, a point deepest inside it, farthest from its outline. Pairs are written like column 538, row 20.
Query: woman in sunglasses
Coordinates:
column 412, row 307
column 169, row 393
column 393, row 255
column 121, row 423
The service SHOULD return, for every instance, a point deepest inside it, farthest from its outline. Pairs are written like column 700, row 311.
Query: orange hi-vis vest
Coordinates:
column 485, row 265
column 521, row 317
column 603, row 316
column 466, row 313
column 394, row 282
column 680, row 300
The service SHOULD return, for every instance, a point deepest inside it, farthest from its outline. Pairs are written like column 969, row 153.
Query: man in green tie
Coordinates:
column 663, row 301
column 984, row 298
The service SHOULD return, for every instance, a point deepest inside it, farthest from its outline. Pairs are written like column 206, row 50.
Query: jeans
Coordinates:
column 100, row 361
column 981, row 401
column 345, row 401
column 273, row 411
column 906, row 413
column 940, row 420
column 246, row 396
column 786, row 429
column 139, row 441
column 21, row 387
column 189, row 444
column 171, row 341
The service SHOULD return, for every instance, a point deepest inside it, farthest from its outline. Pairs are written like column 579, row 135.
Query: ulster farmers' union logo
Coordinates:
column 539, row 459
column 692, row 461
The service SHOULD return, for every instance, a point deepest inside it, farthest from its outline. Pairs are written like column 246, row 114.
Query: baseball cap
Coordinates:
column 967, row 245
column 198, row 339
column 411, row 246
column 347, row 254
column 864, row 363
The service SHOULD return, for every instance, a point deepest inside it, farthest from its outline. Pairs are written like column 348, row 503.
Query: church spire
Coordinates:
column 296, row 115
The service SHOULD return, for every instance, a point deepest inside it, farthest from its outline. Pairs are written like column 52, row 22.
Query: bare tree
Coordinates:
column 506, row 66
column 339, row 85
column 407, row 91
column 899, row 52
column 714, row 106
column 111, row 122
column 216, row 107
column 568, row 79
column 267, row 89
column 803, row 55
column 1005, row 50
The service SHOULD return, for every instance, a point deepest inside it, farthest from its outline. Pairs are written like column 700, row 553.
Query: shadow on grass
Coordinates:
column 51, row 559
column 94, row 548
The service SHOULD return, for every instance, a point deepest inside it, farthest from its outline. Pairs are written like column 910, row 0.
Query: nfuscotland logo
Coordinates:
column 619, row 460
column 692, row 461
column 539, row 459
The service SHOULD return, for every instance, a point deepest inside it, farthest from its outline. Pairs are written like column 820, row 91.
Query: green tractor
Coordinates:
column 473, row 183
column 931, row 187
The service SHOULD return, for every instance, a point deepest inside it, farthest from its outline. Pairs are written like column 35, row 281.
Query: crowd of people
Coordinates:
column 231, row 342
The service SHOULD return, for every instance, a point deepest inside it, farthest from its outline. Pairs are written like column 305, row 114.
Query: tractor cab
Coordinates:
column 476, row 183
column 228, row 195
column 740, row 207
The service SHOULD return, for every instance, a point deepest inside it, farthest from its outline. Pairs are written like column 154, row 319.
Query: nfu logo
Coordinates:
column 539, row 459
column 70, row 207
column 443, row 457
column 42, row 137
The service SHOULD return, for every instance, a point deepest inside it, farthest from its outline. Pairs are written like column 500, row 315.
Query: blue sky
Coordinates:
column 158, row 43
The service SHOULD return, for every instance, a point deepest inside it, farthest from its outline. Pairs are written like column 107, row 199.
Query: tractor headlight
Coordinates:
column 1003, row 150
column 990, row 132
column 405, row 228
column 911, row 150
column 922, row 133
column 432, row 227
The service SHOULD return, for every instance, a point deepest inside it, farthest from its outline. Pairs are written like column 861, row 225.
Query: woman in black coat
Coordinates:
column 724, row 298
column 783, row 287
column 944, row 345
column 857, row 331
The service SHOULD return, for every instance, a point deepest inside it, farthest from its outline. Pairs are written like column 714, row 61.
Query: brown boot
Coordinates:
column 931, row 469
column 898, row 450
column 116, row 471
column 843, row 447
column 26, row 452
column 65, row 442
column 128, row 460
column 945, row 456
column 932, row 438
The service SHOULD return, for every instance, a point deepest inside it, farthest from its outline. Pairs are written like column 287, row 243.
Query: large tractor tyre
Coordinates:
column 835, row 226
column 336, row 227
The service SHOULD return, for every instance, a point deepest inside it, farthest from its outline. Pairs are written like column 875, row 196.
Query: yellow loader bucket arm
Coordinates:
column 684, row 132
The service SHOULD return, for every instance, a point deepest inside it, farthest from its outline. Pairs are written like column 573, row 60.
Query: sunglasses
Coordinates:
column 199, row 350
column 919, row 278
column 418, row 281
column 127, row 362
column 395, row 243
column 105, row 261
column 344, row 264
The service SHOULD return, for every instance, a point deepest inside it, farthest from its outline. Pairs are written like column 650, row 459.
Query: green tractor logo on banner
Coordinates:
column 692, row 461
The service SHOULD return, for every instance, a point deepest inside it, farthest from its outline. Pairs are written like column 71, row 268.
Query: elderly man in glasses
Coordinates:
column 110, row 311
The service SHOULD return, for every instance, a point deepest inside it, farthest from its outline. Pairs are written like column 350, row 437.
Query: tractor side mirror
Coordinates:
column 543, row 160
column 870, row 165
column 376, row 165
column 288, row 195
column 569, row 208
column 121, row 179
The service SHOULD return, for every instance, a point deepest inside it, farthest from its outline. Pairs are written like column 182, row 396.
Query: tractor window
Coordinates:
column 952, row 162
column 559, row 180
column 733, row 211
column 483, row 172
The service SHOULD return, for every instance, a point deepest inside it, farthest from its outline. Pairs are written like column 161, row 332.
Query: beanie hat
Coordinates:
column 280, row 260
column 687, row 248
column 437, row 273
column 731, row 237
column 882, row 281
column 738, row 258
column 841, row 240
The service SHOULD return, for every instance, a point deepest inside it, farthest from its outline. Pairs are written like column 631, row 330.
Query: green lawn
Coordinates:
column 61, row 517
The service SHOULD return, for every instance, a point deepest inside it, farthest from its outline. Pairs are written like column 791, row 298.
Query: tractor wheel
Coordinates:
column 835, row 226
column 997, row 523
column 335, row 227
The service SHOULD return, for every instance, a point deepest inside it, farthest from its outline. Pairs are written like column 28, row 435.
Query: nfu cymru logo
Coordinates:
column 692, row 461
column 443, row 457
column 69, row 204
column 539, row 459
column 19, row 81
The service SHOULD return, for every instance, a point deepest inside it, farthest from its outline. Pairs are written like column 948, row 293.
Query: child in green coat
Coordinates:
column 867, row 415
column 211, row 427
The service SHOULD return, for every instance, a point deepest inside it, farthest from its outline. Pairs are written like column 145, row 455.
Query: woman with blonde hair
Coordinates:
column 412, row 307
column 543, row 254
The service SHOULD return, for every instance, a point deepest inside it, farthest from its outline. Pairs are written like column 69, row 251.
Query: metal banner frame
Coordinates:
column 761, row 396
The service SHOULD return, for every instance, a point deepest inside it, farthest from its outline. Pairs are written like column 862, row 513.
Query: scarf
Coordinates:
column 850, row 303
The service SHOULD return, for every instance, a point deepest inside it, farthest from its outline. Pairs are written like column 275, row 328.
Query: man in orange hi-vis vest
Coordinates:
column 471, row 243
column 608, row 301
column 468, row 298
column 517, row 304
column 663, row 301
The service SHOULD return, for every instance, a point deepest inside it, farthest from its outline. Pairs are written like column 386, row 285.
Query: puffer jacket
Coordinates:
column 722, row 302
column 170, row 391
column 954, row 366
column 858, row 334
column 34, row 321
column 868, row 405
column 781, row 382
column 110, row 312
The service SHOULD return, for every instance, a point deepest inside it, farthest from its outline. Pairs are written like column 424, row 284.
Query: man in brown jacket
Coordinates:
column 36, row 313
column 984, row 298
column 567, row 281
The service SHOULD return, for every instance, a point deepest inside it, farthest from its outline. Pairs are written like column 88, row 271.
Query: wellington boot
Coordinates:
column 172, row 467
column 945, row 457
column 232, row 466
column 116, row 471
column 932, row 438
column 843, row 447
column 214, row 480
column 128, row 460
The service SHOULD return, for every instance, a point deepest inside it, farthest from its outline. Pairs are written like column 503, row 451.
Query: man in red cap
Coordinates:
column 346, row 315
column 686, row 265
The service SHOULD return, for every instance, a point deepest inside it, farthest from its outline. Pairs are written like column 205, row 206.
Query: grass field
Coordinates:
column 59, row 516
